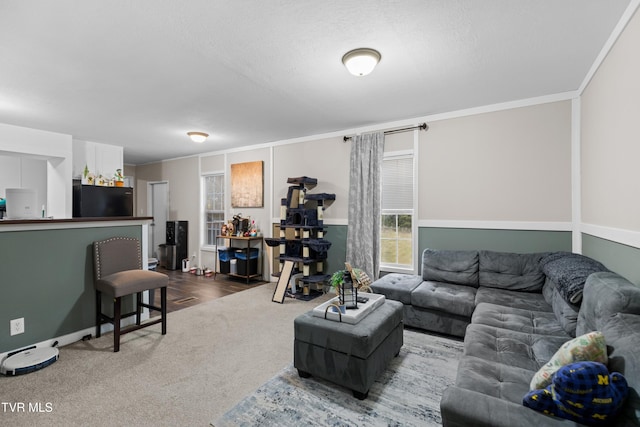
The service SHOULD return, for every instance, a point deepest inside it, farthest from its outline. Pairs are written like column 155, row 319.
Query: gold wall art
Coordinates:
column 247, row 183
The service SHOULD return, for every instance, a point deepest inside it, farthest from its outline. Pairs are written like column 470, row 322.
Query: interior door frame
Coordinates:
column 150, row 187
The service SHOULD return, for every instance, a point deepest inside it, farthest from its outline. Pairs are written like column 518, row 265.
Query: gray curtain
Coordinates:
column 365, row 192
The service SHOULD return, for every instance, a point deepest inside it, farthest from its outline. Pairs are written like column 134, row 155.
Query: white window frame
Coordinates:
column 402, row 268
column 206, row 246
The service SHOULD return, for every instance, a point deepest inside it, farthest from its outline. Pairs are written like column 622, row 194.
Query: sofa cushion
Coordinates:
column 605, row 294
column 566, row 313
column 547, row 290
column 456, row 299
column 518, row 319
column 458, row 267
column 397, row 286
column 526, row 300
column 493, row 379
column 588, row 347
column 512, row 348
column 516, row 272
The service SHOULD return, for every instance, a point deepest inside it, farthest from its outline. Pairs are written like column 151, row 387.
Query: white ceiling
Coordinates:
column 142, row 73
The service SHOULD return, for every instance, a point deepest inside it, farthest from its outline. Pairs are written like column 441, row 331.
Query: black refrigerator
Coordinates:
column 177, row 243
column 97, row 201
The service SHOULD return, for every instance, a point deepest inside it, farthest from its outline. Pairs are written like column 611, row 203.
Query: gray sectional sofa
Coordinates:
column 514, row 312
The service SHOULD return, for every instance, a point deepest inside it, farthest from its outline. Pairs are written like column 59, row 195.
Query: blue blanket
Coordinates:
column 569, row 271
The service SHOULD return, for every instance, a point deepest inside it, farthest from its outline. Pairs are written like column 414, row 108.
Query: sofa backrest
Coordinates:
column 604, row 295
column 515, row 272
column 622, row 334
column 611, row 305
column 458, row 267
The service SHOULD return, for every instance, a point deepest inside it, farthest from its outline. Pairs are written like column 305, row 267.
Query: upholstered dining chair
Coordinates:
column 118, row 272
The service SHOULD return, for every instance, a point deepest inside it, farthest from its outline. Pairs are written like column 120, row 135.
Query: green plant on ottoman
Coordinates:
column 359, row 277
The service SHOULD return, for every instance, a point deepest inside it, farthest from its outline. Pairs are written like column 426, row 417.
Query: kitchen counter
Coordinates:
column 55, row 223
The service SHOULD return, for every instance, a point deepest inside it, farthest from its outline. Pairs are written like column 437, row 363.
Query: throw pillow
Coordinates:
column 584, row 392
column 588, row 347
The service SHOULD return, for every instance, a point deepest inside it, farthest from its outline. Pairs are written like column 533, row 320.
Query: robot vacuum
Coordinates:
column 28, row 360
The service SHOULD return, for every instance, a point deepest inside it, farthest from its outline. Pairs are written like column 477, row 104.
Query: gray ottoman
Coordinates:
column 352, row 356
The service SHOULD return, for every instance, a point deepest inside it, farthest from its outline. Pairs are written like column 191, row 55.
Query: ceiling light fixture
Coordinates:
column 362, row 61
column 198, row 136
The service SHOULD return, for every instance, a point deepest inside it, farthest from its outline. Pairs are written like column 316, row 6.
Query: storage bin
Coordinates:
column 225, row 267
column 226, row 254
column 247, row 267
column 241, row 254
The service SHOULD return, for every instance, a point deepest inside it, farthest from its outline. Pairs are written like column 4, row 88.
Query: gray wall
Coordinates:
column 520, row 241
column 622, row 259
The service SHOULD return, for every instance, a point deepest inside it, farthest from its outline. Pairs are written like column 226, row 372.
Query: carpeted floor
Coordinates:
column 407, row 394
column 213, row 355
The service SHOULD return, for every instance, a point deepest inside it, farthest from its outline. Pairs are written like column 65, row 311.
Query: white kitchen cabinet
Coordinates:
column 100, row 159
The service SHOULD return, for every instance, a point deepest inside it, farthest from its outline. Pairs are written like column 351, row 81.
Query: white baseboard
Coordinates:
column 78, row 335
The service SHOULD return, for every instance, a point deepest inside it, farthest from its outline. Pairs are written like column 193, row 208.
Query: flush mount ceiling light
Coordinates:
column 361, row 62
column 198, row 136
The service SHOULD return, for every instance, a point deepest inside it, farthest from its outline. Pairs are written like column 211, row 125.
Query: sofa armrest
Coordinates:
column 463, row 408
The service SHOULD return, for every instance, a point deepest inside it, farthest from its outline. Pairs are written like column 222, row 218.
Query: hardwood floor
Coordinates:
column 186, row 289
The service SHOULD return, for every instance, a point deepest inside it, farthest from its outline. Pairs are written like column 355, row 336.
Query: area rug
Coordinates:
column 407, row 394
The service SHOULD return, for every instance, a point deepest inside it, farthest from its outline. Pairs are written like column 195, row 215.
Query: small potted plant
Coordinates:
column 358, row 282
column 119, row 178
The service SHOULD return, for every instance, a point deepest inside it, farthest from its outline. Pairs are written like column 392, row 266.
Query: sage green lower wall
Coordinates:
column 337, row 235
column 617, row 257
column 47, row 278
column 519, row 241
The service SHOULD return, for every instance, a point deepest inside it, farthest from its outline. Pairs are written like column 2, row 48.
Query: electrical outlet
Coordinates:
column 17, row 326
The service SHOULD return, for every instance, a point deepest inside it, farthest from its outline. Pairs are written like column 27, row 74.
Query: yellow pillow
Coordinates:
column 588, row 347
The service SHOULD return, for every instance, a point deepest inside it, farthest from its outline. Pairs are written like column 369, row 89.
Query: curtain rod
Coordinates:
column 422, row 126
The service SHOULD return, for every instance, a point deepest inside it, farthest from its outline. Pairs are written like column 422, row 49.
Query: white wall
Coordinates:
column 610, row 108
column 510, row 165
column 327, row 160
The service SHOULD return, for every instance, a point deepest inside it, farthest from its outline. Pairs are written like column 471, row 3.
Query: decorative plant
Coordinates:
column 338, row 277
column 336, row 280
column 362, row 281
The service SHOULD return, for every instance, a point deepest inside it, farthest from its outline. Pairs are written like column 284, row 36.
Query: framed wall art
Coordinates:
column 247, row 185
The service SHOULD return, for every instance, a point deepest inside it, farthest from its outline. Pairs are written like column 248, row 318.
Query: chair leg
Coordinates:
column 163, row 308
column 117, row 307
column 98, row 313
column 138, row 307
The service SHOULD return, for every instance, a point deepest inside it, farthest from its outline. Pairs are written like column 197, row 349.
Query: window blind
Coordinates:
column 397, row 183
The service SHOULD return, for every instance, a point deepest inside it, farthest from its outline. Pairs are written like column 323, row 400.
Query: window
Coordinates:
column 397, row 222
column 213, row 207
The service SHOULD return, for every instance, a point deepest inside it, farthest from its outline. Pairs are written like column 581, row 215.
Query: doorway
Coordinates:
column 158, row 208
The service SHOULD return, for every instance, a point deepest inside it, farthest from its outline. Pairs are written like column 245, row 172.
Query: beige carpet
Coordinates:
column 214, row 354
